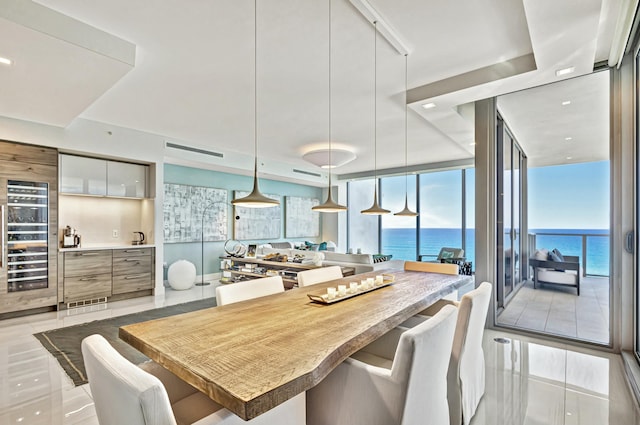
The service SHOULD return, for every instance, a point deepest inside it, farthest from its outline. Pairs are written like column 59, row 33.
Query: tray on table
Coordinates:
column 322, row 296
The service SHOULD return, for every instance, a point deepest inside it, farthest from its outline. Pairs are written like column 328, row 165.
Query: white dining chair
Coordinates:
column 124, row 393
column 380, row 385
column 319, row 275
column 419, row 266
column 466, row 370
column 248, row 289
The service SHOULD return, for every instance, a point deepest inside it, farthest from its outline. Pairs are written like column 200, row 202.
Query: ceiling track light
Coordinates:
column 329, row 206
column 255, row 199
column 406, row 212
column 375, row 209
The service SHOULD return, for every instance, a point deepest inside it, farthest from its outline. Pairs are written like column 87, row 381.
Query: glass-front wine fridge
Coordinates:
column 27, row 235
column 28, row 229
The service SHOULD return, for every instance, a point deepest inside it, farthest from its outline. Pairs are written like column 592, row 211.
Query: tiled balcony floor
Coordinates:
column 559, row 311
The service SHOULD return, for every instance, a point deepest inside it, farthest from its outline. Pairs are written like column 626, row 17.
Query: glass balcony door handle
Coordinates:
column 628, row 242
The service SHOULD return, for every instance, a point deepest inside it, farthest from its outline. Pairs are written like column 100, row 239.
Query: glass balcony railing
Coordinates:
column 591, row 246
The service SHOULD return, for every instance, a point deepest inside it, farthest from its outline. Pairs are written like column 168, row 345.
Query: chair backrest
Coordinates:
column 466, row 369
column 319, row 275
column 419, row 266
column 421, row 362
column 248, row 289
column 446, row 253
column 122, row 392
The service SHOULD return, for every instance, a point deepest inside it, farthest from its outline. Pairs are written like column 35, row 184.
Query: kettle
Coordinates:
column 138, row 238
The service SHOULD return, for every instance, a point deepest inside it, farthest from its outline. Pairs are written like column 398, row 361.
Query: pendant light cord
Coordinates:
column 255, row 83
column 375, row 102
column 406, row 165
column 330, row 159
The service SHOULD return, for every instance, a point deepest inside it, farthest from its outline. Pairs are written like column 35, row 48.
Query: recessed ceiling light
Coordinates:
column 565, row 71
column 569, row 157
column 472, row 144
column 429, row 105
column 566, row 102
column 5, row 61
column 568, row 138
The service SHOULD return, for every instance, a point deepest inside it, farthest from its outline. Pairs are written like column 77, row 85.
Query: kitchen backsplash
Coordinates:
column 106, row 221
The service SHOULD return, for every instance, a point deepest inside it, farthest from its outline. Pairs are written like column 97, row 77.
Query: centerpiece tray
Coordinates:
column 322, row 297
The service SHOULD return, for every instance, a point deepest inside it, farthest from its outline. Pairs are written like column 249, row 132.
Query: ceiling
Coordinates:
column 193, row 79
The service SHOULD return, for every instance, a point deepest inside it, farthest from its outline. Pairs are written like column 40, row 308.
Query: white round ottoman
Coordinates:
column 181, row 275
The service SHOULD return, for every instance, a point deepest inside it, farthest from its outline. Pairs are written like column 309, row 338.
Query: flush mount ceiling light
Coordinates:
column 5, row 61
column 406, row 212
column 329, row 158
column 375, row 209
column 565, row 71
column 429, row 105
column 255, row 199
column 329, row 206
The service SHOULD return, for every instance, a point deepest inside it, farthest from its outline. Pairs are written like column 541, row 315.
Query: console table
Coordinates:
column 288, row 270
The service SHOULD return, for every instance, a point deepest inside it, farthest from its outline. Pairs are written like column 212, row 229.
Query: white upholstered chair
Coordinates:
column 124, row 393
column 419, row 266
column 319, row 275
column 466, row 371
column 248, row 289
column 380, row 385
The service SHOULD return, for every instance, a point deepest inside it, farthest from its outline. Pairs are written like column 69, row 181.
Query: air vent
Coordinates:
column 308, row 173
column 196, row 150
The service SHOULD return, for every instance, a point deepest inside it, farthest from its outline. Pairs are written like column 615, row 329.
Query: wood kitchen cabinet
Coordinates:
column 132, row 270
column 92, row 276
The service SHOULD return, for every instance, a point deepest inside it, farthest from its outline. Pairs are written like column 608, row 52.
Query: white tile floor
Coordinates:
column 528, row 382
column 559, row 311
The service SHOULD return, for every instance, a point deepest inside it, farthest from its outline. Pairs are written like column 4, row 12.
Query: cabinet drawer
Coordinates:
column 131, row 252
column 87, row 287
column 131, row 265
column 83, row 263
column 131, row 283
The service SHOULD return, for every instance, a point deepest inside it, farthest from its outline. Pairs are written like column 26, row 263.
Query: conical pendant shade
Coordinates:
column 329, row 205
column 256, row 199
column 375, row 209
column 406, row 212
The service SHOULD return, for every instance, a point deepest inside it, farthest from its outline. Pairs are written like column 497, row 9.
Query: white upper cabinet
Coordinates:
column 82, row 175
column 126, row 180
column 99, row 177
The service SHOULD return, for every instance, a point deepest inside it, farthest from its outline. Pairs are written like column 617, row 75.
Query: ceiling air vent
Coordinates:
column 196, row 150
column 308, row 173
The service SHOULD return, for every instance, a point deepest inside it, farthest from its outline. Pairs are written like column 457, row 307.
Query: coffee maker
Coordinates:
column 70, row 238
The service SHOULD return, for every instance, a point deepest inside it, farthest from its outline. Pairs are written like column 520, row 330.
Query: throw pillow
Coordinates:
column 555, row 250
column 542, row 254
column 554, row 257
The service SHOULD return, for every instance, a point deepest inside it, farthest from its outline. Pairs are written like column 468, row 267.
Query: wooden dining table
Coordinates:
column 253, row 355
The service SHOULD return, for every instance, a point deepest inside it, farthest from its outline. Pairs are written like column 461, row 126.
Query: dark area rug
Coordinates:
column 64, row 343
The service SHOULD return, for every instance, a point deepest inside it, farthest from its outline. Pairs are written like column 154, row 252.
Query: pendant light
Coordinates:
column 406, row 212
column 255, row 199
column 375, row 209
column 329, row 205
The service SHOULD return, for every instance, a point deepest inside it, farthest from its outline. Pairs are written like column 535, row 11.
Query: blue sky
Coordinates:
column 574, row 196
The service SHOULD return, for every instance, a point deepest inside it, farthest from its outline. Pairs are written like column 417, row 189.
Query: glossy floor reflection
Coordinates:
column 528, row 382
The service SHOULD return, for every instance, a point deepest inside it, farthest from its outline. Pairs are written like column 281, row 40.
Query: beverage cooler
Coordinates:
column 28, row 221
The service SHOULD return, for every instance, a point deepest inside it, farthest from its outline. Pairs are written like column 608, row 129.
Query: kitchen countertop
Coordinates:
column 93, row 247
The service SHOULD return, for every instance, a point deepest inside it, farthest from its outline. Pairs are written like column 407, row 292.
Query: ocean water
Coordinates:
column 401, row 243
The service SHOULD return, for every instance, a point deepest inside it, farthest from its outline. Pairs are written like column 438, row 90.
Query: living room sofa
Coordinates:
column 360, row 262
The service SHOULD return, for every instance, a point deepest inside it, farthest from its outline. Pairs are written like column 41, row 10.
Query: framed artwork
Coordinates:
column 187, row 208
column 301, row 221
column 251, row 251
column 257, row 223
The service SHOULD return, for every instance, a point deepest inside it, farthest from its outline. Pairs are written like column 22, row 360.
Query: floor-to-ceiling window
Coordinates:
column 398, row 234
column 636, row 248
column 446, row 215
